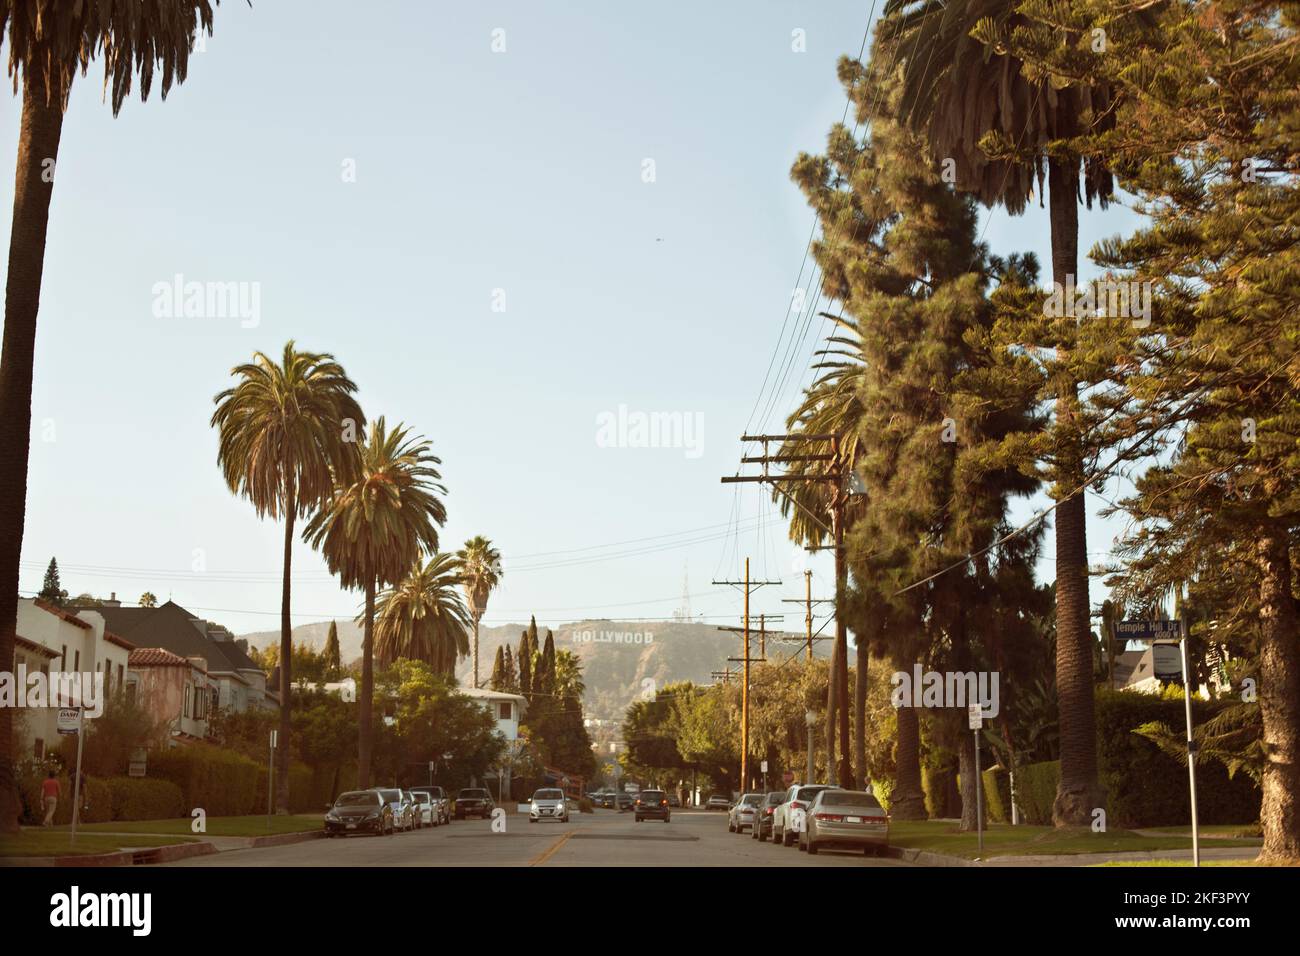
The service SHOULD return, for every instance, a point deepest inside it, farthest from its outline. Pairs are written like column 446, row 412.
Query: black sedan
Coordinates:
column 358, row 811
column 474, row 802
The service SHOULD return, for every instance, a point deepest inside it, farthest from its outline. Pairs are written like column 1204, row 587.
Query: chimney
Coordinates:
column 112, row 600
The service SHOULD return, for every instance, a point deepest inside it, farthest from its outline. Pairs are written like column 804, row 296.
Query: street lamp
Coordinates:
column 810, row 718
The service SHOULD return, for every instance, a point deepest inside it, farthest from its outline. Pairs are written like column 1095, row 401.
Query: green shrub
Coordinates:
column 97, row 801
column 222, row 782
column 997, row 794
column 1036, row 791
column 585, row 805
column 138, row 798
column 1146, row 787
column 882, row 789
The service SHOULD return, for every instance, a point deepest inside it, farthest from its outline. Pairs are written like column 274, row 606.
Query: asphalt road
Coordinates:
column 605, row 838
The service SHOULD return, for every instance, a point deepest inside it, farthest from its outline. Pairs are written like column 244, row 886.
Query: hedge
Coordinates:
column 222, row 782
column 941, row 796
column 997, row 794
column 1146, row 787
column 97, row 801
column 1036, row 791
column 138, row 798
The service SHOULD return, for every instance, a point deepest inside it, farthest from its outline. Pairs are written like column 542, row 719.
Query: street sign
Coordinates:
column 69, row 721
column 975, row 716
column 763, row 766
column 1148, row 630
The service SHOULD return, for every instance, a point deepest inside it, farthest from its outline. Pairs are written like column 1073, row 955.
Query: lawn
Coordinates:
column 251, row 826
column 1000, row 839
column 55, row 842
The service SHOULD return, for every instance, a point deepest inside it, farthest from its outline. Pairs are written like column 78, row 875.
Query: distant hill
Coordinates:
column 619, row 657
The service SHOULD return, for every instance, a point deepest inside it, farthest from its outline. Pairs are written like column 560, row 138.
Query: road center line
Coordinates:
column 551, row 850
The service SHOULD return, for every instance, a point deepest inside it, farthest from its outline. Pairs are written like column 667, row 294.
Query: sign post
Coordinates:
column 975, row 718
column 72, row 721
column 1168, row 634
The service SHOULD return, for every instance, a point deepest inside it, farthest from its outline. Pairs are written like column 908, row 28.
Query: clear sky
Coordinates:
column 482, row 179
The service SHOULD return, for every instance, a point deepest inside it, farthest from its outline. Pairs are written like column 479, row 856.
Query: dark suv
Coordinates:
column 474, row 802
column 651, row 803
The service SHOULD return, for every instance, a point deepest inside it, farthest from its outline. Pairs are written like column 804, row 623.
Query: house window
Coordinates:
column 40, row 749
column 185, row 709
column 63, row 665
column 76, row 661
column 505, row 710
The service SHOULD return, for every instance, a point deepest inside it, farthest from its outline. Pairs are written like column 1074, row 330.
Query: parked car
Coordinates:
column 474, row 802
column 358, row 811
column 605, row 799
column 763, row 813
column 741, row 814
column 797, row 799
column 549, row 804
column 652, row 803
column 718, row 802
column 426, row 814
column 401, row 807
column 624, row 802
column 849, row 819
column 441, row 803
column 417, row 818
column 674, row 801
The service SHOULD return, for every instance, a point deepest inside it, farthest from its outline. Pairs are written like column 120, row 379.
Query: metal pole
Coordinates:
column 1191, row 751
column 76, row 784
column 809, row 777
column 979, row 793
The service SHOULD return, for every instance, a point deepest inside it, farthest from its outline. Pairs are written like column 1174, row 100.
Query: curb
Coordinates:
column 175, row 851
column 284, row 839
column 925, row 857
column 153, row 854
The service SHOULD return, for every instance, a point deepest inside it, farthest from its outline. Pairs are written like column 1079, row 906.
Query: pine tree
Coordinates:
column 498, row 679
column 511, row 676
column 525, row 659
column 333, row 653
column 51, row 589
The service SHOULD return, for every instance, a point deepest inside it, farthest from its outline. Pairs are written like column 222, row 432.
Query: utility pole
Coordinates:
column 744, row 659
column 808, row 602
column 835, row 474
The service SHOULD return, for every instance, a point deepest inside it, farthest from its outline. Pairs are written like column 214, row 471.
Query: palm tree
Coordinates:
column 281, row 442
column 481, row 572
column 423, row 617
column 47, row 47
column 372, row 533
column 961, row 85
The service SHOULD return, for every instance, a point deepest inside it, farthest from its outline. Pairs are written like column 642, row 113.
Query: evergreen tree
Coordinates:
column 498, row 679
column 511, row 677
column 333, row 653
column 51, row 589
column 525, row 659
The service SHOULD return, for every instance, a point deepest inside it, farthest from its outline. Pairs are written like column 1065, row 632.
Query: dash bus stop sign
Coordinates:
column 69, row 721
column 975, row 716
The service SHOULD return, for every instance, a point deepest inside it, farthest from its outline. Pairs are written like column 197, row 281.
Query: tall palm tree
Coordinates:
column 960, row 86
column 423, row 617
column 281, row 431
column 480, row 565
column 47, row 48
column 372, row 533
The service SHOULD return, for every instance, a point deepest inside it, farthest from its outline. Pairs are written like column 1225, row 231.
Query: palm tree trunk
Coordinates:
column 1078, row 792
column 476, row 651
column 907, row 801
column 38, row 148
column 968, row 779
column 367, row 690
column 1279, row 700
column 282, row 749
column 860, row 717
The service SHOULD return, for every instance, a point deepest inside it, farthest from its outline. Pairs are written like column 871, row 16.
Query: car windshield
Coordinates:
column 392, row 796
column 357, row 798
column 774, row 798
column 421, row 796
column 807, row 793
column 849, row 798
column 652, row 796
column 549, row 795
column 752, row 799
column 472, row 794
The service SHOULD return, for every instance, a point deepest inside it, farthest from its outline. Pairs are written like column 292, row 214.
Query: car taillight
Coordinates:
column 796, row 805
column 663, row 803
column 767, row 811
column 830, row 817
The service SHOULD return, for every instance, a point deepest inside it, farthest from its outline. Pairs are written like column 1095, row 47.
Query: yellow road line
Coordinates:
column 551, row 850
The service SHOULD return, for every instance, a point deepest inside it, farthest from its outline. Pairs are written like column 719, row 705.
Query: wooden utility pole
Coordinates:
column 744, row 659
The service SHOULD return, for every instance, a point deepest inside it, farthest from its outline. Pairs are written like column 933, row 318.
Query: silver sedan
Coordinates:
column 845, row 819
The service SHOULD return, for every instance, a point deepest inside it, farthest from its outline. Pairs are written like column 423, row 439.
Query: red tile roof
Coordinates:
column 119, row 641
column 156, row 657
column 33, row 646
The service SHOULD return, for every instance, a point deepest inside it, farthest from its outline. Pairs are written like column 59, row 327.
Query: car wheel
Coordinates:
column 665, row 818
column 787, row 839
column 811, row 848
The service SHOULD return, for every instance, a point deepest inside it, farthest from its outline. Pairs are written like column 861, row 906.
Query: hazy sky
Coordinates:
column 500, row 275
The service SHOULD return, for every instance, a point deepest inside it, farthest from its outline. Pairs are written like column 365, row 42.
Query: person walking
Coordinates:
column 50, row 796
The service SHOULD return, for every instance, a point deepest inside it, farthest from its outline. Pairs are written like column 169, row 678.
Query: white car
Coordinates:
column 788, row 819
column 548, row 804
column 424, row 809
column 741, row 815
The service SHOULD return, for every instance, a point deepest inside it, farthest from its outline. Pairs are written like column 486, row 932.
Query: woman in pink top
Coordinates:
column 50, row 794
